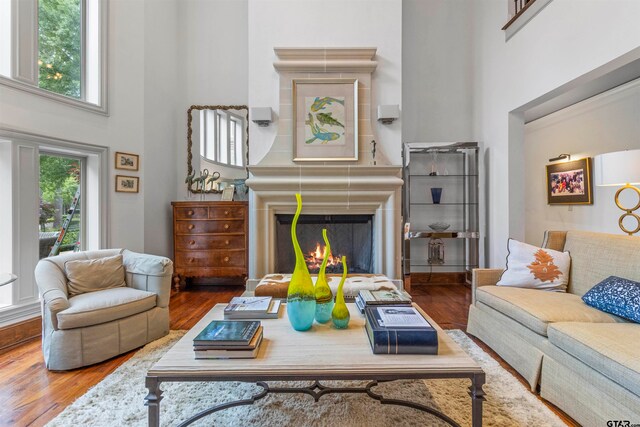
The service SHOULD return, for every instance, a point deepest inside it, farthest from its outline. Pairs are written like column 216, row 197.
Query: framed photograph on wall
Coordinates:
column 127, row 184
column 325, row 120
column 127, row 161
column 569, row 183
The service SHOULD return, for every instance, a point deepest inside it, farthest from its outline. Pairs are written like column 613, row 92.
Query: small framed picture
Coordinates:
column 127, row 161
column 127, row 184
column 569, row 183
column 227, row 193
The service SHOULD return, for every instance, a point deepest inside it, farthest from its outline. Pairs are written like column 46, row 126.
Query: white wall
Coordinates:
column 325, row 23
column 605, row 123
column 213, row 66
column 437, row 71
column 161, row 113
column 564, row 41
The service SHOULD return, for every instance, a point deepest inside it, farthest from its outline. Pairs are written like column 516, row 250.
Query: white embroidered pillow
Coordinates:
column 536, row 268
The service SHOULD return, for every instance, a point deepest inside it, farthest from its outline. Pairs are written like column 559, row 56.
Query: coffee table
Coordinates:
column 288, row 355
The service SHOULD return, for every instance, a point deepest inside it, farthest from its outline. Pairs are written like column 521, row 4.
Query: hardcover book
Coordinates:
column 271, row 311
column 248, row 304
column 406, row 331
column 230, row 353
column 255, row 341
column 227, row 332
column 385, row 297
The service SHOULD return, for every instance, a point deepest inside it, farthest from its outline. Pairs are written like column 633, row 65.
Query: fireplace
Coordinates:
column 349, row 235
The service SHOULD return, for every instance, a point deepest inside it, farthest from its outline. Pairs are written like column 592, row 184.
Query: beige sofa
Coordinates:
column 584, row 361
column 95, row 326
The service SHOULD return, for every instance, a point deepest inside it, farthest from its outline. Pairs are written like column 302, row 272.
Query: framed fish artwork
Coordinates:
column 325, row 120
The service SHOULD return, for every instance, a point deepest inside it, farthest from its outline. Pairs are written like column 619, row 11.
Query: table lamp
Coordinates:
column 621, row 169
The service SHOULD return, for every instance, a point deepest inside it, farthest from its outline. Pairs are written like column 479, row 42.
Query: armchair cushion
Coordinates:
column 94, row 274
column 94, row 308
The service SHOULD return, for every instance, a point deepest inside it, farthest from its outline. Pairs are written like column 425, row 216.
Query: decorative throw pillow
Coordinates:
column 94, row 274
column 536, row 268
column 617, row 296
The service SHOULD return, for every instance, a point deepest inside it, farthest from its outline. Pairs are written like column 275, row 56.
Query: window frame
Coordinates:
column 212, row 128
column 30, row 48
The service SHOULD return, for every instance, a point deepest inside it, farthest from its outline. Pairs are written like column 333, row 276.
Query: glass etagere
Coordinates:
column 441, row 208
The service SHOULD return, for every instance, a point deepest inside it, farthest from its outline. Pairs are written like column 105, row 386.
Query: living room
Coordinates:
column 560, row 79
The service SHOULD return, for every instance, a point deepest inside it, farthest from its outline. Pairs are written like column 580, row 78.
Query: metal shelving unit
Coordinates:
column 453, row 167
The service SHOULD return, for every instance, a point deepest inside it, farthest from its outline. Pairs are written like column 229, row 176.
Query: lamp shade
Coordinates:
column 618, row 168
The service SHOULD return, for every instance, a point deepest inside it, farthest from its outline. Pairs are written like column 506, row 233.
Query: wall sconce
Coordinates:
column 388, row 113
column 621, row 169
column 261, row 116
column 561, row 157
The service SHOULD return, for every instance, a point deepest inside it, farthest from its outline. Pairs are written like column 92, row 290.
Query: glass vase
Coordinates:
column 340, row 314
column 324, row 297
column 301, row 300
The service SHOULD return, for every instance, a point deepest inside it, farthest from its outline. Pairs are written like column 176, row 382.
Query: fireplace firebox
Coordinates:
column 349, row 235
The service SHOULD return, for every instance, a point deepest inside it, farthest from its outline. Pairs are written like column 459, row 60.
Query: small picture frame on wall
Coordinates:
column 127, row 184
column 227, row 193
column 569, row 183
column 127, row 161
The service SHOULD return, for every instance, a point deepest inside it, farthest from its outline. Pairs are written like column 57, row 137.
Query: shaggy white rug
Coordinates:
column 118, row 400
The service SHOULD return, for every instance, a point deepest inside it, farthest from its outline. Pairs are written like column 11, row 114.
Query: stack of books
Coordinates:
column 228, row 339
column 252, row 308
column 381, row 297
column 399, row 329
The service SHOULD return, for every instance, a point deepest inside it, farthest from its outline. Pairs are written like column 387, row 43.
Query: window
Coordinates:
column 60, row 212
column 55, row 48
column 222, row 137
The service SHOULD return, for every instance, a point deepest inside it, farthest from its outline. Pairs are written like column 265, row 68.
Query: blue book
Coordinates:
column 227, row 332
column 399, row 330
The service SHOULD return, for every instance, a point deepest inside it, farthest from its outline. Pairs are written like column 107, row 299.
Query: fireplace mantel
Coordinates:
column 325, row 189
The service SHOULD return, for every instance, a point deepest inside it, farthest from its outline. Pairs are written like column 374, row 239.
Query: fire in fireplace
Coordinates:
column 349, row 235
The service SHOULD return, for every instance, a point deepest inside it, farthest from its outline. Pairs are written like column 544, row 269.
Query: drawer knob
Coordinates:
column 226, row 259
column 226, row 226
column 190, row 259
column 190, row 212
column 226, row 212
column 193, row 242
column 190, row 226
column 226, row 242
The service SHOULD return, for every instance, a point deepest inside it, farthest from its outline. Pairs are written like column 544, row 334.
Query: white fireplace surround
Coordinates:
column 326, row 188
column 339, row 189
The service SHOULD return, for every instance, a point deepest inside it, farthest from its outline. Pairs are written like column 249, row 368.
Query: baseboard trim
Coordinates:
column 18, row 333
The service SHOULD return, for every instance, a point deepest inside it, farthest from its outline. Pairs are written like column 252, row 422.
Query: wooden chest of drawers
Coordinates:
column 210, row 239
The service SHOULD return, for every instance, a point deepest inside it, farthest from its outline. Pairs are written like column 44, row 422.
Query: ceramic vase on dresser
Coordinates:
column 301, row 300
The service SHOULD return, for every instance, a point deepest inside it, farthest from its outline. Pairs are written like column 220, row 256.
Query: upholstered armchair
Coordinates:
column 80, row 329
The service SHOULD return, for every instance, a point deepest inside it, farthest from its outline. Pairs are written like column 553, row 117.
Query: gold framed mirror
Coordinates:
column 221, row 137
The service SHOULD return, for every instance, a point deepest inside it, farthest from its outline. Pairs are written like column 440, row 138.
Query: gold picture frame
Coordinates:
column 127, row 184
column 127, row 161
column 569, row 183
column 325, row 120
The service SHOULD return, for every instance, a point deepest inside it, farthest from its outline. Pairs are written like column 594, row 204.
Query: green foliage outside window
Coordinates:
column 59, row 37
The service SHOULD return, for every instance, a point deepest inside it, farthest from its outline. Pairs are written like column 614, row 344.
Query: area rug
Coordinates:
column 118, row 400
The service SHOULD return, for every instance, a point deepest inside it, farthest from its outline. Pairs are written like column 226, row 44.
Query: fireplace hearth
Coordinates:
column 349, row 235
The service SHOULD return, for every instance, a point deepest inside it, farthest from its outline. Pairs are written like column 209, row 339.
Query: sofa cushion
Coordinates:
column 611, row 349
column 532, row 267
column 536, row 309
column 596, row 256
column 617, row 296
column 94, row 274
column 98, row 307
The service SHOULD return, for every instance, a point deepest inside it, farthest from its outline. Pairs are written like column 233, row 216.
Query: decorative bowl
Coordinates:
column 439, row 226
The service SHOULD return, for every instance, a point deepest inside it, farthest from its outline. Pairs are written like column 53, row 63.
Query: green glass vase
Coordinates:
column 340, row 314
column 301, row 299
column 324, row 297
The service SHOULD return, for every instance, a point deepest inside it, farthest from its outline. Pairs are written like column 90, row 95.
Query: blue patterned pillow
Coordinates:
column 617, row 296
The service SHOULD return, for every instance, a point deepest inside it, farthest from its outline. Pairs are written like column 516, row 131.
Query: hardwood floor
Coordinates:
column 31, row 395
